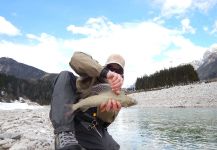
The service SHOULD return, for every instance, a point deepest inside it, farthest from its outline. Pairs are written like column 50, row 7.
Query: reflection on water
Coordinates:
column 166, row 128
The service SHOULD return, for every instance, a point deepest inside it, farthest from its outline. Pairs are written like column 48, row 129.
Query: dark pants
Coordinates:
column 64, row 92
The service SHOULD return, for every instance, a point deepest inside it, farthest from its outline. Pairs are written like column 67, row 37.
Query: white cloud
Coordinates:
column 205, row 28
column 46, row 55
column 8, row 28
column 214, row 30
column 158, row 20
column 186, row 27
column 177, row 7
column 185, row 52
column 138, row 43
column 204, row 5
column 95, row 27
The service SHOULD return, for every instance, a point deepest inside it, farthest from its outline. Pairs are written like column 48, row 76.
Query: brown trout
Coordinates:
column 104, row 94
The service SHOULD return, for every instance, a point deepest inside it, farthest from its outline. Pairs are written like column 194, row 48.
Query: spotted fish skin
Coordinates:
column 104, row 94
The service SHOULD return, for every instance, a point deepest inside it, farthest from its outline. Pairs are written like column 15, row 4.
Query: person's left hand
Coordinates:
column 110, row 105
column 116, row 81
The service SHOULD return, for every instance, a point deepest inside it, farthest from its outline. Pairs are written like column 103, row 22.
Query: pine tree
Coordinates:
column 183, row 74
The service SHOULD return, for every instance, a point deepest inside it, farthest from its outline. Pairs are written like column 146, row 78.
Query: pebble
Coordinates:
column 26, row 130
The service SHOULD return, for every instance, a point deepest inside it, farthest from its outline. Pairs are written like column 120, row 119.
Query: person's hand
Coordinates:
column 115, row 80
column 110, row 105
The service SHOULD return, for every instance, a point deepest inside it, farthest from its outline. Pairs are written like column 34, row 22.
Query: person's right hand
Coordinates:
column 110, row 105
column 115, row 80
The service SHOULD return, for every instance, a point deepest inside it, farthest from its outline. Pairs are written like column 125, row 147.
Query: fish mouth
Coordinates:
column 135, row 102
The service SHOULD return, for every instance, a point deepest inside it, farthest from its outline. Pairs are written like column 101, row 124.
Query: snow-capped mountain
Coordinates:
column 196, row 63
column 207, row 67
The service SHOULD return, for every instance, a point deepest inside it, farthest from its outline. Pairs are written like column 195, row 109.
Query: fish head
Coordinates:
column 129, row 101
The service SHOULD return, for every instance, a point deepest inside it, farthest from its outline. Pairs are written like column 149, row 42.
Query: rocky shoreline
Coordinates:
column 193, row 95
column 28, row 129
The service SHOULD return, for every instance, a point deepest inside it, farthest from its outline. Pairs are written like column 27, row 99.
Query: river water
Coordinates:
column 166, row 128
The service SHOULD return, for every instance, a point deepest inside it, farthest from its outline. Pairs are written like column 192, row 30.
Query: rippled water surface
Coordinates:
column 166, row 128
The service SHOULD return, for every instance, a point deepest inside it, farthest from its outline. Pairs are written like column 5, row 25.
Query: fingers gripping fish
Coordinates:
column 104, row 94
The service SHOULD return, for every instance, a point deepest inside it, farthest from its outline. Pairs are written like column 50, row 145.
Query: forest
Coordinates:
column 11, row 88
column 181, row 75
column 40, row 91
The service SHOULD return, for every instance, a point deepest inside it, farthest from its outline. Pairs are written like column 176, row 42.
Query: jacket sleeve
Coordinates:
column 84, row 65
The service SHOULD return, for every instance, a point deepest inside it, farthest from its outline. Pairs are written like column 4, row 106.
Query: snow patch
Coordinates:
column 17, row 105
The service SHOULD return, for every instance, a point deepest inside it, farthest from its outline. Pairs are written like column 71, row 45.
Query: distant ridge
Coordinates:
column 21, row 80
column 10, row 66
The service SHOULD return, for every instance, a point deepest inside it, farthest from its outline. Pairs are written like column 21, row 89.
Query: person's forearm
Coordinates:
column 84, row 65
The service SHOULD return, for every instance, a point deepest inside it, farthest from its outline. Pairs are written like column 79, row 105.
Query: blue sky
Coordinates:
column 150, row 34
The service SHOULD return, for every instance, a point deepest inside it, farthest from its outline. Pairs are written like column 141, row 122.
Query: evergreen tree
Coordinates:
column 184, row 74
column 36, row 90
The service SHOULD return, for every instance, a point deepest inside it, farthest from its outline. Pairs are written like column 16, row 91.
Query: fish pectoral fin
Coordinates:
column 84, row 109
column 70, row 110
column 68, row 106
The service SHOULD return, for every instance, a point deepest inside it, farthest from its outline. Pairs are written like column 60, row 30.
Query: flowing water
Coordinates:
column 166, row 128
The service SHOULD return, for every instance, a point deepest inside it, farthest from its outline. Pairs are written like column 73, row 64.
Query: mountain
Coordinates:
column 21, row 80
column 10, row 66
column 208, row 67
column 196, row 64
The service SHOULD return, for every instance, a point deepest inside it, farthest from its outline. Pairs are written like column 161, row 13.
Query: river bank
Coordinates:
column 27, row 126
column 193, row 95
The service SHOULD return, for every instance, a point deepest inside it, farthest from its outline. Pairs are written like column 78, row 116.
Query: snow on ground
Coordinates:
column 17, row 105
column 26, row 126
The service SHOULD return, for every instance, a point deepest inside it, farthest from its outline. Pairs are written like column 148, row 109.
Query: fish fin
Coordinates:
column 70, row 110
column 84, row 109
column 80, row 100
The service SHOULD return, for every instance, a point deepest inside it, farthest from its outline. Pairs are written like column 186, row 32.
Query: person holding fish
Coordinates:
column 86, row 129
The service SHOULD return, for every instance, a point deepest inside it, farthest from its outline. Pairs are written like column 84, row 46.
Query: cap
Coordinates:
column 116, row 59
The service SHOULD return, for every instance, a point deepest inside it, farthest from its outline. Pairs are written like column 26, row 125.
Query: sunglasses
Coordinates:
column 116, row 68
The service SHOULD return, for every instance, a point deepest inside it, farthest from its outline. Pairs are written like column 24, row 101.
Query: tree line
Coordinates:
column 11, row 88
column 40, row 91
column 183, row 74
